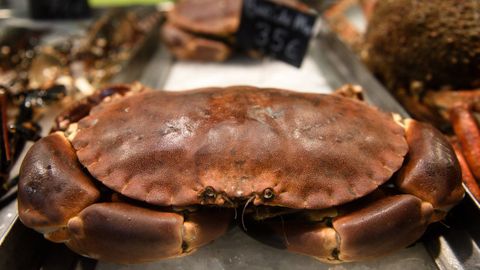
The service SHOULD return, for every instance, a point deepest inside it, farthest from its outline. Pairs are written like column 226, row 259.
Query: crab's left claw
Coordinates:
column 59, row 199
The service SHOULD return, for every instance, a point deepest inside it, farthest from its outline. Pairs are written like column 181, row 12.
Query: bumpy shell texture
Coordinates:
column 435, row 42
column 309, row 151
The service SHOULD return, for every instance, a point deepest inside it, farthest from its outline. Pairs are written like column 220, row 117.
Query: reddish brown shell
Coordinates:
column 311, row 150
column 214, row 17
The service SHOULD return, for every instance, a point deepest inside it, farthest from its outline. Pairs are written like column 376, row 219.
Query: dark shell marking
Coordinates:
column 311, row 150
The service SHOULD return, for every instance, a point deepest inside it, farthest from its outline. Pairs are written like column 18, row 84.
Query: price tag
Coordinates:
column 276, row 30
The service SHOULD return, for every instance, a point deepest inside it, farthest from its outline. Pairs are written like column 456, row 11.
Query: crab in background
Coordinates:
column 204, row 30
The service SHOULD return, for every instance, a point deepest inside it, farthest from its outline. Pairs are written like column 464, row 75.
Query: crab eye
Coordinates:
column 209, row 193
column 268, row 194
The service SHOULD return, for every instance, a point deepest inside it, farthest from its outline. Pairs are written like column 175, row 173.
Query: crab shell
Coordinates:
column 153, row 174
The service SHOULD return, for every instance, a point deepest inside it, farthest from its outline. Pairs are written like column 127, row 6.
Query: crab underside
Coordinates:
column 133, row 175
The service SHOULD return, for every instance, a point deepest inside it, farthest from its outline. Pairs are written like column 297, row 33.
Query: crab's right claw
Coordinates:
column 53, row 188
column 380, row 223
column 124, row 233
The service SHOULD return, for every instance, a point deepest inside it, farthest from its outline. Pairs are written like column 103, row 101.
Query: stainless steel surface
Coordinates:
column 237, row 251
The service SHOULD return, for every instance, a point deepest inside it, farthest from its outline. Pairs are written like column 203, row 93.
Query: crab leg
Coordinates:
column 350, row 91
column 468, row 133
column 58, row 199
column 380, row 224
column 432, row 172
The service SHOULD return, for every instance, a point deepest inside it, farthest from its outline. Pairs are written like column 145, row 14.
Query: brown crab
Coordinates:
column 150, row 174
column 205, row 30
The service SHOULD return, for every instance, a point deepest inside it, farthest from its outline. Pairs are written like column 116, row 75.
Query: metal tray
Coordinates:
column 451, row 245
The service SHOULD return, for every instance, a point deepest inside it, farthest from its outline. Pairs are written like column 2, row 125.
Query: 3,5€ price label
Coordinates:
column 276, row 30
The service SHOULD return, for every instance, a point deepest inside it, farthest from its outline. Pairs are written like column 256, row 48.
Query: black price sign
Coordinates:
column 275, row 30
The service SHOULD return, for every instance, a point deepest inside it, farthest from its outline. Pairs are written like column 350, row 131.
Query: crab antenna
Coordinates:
column 233, row 204
column 243, row 211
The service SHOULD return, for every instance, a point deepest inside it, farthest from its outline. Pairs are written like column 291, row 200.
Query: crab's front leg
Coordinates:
column 58, row 199
column 427, row 186
column 432, row 172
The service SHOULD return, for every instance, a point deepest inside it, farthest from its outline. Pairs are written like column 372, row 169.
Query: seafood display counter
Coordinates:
column 328, row 65
column 236, row 250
